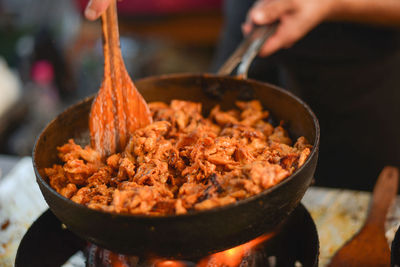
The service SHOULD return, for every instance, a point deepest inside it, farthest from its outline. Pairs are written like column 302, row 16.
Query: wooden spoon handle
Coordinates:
column 115, row 75
column 118, row 109
column 384, row 193
column 111, row 45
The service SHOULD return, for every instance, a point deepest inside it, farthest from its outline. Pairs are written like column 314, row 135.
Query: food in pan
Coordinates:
column 182, row 162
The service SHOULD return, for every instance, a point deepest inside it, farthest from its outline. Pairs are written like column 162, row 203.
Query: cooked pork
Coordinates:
column 182, row 162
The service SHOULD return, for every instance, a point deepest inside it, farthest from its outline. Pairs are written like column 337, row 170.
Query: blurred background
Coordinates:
column 51, row 57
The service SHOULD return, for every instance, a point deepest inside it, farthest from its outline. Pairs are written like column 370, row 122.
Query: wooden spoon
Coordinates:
column 370, row 247
column 118, row 108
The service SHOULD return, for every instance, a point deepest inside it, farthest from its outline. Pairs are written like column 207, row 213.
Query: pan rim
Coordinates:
column 194, row 213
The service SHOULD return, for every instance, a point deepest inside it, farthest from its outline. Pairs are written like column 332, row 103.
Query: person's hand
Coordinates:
column 95, row 8
column 297, row 18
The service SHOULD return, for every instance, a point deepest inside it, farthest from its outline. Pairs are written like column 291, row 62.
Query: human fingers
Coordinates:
column 285, row 36
column 265, row 12
column 95, row 8
column 248, row 25
column 296, row 19
column 292, row 27
column 246, row 28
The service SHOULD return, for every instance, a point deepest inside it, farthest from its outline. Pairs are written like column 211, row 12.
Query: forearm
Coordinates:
column 378, row 12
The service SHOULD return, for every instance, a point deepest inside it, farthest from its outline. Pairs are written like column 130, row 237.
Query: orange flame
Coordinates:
column 228, row 258
column 232, row 257
column 169, row 263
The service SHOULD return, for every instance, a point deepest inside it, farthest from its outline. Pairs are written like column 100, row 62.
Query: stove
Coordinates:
column 295, row 243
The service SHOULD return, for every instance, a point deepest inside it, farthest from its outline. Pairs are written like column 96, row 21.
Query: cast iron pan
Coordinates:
column 196, row 233
column 395, row 250
column 48, row 244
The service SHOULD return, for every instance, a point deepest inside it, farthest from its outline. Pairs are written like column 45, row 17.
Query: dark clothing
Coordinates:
column 350, row 76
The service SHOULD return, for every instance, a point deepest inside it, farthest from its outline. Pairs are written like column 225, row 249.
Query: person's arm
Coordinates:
column 95, row 8
column 298, row 17
column 382, row 12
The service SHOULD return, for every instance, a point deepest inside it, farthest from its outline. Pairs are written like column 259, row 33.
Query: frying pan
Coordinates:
column 200, row 232
column 395, row 250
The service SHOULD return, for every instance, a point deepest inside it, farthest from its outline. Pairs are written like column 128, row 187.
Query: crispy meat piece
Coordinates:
column 251, row 112
column 280, row 135
column 182, row 162
column 224, row 118
column 103, row 176
column 69, row 190
column 265, row 174
column 57, row 178
column 214, row 202
column 179, row 209
column 78, row 171
column 71, row 151
column 303, row 156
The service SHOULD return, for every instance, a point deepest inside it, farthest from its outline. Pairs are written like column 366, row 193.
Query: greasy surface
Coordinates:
column 369, row 247
column 182, row 162
column 119, row 108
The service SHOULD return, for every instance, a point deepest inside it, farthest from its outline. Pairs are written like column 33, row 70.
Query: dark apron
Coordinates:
column 350, row 76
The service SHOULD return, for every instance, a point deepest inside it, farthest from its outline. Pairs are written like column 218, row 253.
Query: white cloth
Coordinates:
column 21, row 203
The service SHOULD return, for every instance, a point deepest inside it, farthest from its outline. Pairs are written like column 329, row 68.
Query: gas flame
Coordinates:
column 229, row 258
column 234, row 256
column 169, row 263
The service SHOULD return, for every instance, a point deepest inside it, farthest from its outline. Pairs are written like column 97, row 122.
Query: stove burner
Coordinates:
column 250, row 254
column 47, row 243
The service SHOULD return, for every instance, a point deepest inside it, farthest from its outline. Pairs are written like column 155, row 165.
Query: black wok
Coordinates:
column 196, row 233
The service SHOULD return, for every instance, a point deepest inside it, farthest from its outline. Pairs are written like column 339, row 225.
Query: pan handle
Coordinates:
column 247, row 51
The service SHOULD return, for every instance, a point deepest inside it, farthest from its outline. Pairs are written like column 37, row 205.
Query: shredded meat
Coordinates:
column 182, row 162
